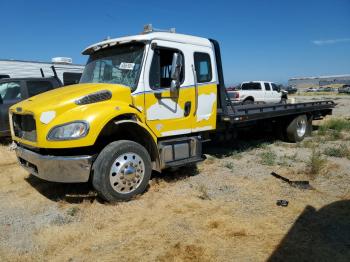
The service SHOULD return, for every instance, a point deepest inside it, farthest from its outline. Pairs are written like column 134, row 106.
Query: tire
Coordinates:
column 298, row 129
column 248, row 102
column 121, row 171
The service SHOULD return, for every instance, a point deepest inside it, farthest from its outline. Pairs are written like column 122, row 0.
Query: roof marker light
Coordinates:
column 149, row 29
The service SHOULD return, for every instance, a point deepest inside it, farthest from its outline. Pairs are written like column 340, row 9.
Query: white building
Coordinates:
column 305, row 82
column 67, row 72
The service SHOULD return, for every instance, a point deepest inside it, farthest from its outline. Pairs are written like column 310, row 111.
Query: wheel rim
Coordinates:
column 301, row 127
column 126, row 173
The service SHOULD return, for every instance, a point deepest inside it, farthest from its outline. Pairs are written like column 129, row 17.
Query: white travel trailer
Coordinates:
column 67, row 72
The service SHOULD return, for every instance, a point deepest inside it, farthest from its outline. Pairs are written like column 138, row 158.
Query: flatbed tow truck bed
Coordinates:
column 235, row 114
column 246, row 113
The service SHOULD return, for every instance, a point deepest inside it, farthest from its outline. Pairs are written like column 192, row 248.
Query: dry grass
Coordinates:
column 203, row 192
column 338, row 124
column 165, row 224
column 338, row 151
column 184, row 252
column 229, row 165
column 225, row 213
column 7, row 157
column 334, row 129
column 316, row 163
column 268, row 158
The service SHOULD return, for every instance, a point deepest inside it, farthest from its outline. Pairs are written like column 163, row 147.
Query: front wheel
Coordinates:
column 121, row 171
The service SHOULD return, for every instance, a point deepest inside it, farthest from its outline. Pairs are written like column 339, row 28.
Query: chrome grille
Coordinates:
column 24, row 127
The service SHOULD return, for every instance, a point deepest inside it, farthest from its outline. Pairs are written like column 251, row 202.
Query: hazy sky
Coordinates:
column 267, row 40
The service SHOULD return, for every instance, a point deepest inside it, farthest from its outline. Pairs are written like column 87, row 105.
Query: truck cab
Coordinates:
column 149, row 88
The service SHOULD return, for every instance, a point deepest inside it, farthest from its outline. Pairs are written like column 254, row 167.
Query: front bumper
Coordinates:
column 65, row 169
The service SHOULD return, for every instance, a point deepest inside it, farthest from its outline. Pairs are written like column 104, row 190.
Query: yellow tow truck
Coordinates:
column 144, row 102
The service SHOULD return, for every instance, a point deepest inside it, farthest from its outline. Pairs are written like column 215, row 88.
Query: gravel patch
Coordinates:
column 18, row 225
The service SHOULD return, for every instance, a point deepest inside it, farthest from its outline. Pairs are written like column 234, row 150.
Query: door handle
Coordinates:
column 187, row 108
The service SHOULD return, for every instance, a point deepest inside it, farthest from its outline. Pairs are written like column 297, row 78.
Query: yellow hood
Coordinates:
column 61, row 102
column 63, row 99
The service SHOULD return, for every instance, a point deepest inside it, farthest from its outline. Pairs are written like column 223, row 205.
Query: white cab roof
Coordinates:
column 173, row 37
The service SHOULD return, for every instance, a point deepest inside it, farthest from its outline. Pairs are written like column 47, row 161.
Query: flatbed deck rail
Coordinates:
column 245, row 113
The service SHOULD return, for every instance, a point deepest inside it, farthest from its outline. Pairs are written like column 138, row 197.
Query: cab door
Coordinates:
column 168, row 113
column 276, row 93
column 205, row 110
column 268, row 93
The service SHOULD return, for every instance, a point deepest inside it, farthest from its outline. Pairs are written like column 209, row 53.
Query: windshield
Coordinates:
column 117, row 65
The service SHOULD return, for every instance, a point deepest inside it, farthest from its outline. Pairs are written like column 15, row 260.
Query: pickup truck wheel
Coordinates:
column 283, row 100
column 248, row 102
column 121, row 171
column 298, row 129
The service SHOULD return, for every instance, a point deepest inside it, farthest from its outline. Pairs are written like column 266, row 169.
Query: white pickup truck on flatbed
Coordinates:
column 258, row 91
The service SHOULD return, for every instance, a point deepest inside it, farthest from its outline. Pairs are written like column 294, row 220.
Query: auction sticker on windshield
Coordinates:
column 127, row 66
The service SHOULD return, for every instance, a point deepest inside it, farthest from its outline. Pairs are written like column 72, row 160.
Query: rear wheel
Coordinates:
column 298, row 128
column 248, row 102
column 121, row 171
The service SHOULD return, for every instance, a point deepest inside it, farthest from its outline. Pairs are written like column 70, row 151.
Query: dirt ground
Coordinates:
column 223, row 210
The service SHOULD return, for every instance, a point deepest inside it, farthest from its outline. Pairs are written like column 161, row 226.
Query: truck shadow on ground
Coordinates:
column 176, row 174
column 5, row 141
column 80, row 192
column 318, row 235
column 68, row 192
column 244, row 141
column 247, row 140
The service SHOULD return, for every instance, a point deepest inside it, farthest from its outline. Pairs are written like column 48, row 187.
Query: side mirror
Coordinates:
column 176, row 67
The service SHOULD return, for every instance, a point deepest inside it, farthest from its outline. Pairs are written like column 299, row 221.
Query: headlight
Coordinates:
column 73, row 130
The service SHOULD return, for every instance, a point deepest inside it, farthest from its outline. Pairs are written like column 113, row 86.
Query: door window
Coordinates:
column 275, row 87
column 160, row 73
column 37, row 87
column 267, row 87
column 203, row 67
column 10, row 91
